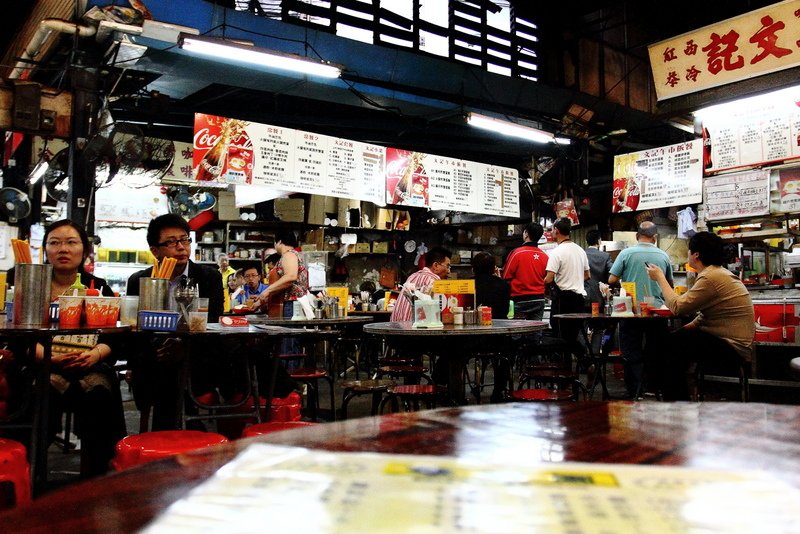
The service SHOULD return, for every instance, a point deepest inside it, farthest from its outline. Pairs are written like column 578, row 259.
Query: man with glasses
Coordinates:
column 253, row 286
column 155, row 379
column 437, row 267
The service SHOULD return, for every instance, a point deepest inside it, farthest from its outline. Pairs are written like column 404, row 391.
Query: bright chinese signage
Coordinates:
column 762, row 41
column 658, row 178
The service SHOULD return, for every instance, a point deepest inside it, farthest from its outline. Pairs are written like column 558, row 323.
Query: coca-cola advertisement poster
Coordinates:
column 406, row 178
column 658, row 178
column 223, row 150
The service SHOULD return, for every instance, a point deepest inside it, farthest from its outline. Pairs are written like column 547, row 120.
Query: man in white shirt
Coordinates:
column 567, row 269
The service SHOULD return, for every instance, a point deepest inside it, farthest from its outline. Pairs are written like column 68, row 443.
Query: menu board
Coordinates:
column 232, row 151
column 296, row 489
column 658, row 178
column 764, row 135
column 744, row 194
column 453, row 293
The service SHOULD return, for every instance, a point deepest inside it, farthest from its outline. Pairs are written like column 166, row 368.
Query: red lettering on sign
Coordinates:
column 721, row 52
column 669, row 54
column 691, row 48
column 692, row 73
column 672, row 78
column 767, row 41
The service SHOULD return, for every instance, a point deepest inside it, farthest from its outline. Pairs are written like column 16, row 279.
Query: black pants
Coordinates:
column 688, row 346
column 567, row 302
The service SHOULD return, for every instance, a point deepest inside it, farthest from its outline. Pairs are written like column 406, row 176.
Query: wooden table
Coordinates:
column 455, row 343
column 721, row 436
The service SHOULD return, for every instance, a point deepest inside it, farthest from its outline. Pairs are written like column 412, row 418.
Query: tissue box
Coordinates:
column 380, row 247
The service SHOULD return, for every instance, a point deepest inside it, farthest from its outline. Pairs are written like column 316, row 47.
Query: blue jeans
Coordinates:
column 531, row 309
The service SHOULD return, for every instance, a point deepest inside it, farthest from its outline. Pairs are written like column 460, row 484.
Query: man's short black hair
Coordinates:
column 710, row 248
column 563, row 225
column 287, row 237
column 483, row 263
column 252, row 265
column 436, row 254
column 168, row 220
column 593, row 237
column 534, row 231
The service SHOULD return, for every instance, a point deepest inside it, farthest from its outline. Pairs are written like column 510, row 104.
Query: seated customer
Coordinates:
column 493, row 291
column 722, row 333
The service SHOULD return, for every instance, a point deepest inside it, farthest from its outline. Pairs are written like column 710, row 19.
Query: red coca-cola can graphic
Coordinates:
column 625, row 196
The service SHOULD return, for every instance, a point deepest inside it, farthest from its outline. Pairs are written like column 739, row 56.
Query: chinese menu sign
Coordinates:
column 231, row 151
column 293, row 489
column 762, row 41
column 744, row 194
column 752, row 136
column 658, row 178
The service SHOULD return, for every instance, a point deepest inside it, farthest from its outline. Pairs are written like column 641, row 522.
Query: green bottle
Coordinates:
column 510, row 309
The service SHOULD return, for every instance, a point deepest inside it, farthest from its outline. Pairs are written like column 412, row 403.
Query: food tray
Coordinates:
column 165, row 321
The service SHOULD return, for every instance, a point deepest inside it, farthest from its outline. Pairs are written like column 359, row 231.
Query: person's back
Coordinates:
column 599, row 266
column 525, row 270
column 490, row 289
column 630, row 264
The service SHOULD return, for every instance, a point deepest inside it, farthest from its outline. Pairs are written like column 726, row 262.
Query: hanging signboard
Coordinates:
column 766, row 132
column 732, row 196
column 789, row 187
column 231, row 151
column 658, row 178
column 762, row 41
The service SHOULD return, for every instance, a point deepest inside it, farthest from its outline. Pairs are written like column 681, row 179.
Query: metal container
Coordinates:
column 153, row 293
column 32, row 294
column 469, row 316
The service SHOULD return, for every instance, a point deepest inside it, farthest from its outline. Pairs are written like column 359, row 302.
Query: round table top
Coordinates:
column 604, row 317
column 291, row 323
column 8, row 329
column 704, row 436
column 498, row 327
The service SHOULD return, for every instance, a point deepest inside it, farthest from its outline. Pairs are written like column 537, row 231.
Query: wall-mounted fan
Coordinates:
column 114, row 147
column 14, row 204
column 188, row 205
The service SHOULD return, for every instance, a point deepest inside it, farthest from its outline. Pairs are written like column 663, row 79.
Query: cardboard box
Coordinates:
column 346, row 217
column 226, row 206
column 362, row 248
column 380, row 247
column 290, row 209
column 384, row 219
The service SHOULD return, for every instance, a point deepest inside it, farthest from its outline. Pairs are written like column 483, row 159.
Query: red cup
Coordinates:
column 644, row 309
column 595, row 309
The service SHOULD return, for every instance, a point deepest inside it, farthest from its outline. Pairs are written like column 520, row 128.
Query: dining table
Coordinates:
column 517, row 467
column 456, row 344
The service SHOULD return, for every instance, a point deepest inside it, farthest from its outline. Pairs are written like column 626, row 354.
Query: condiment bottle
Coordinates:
column 458, row 315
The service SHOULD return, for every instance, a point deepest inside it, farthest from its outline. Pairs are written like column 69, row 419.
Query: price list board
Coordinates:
column 659, row 177
column 274, row 155
column 733, row 196
column 386, row 493
column 759, row 137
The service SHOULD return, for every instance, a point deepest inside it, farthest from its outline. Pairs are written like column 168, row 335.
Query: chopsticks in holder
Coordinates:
column 22, row 251
column 165, row 269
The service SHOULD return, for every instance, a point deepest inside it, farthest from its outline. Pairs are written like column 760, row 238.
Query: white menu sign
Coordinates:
column 460, row 185
column 658, row 177
column 744, row 194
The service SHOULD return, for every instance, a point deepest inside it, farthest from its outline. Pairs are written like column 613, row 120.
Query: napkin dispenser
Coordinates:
column 622, row 307
column 427, row 314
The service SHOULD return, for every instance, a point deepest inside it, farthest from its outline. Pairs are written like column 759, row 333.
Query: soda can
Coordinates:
column 595, row 309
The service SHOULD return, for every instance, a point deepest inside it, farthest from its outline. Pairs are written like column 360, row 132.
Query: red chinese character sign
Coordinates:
column 756, row 43
column 658, row 178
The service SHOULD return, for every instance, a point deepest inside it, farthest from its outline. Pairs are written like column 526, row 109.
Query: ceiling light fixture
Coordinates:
column 235, row 52
column 513, row 129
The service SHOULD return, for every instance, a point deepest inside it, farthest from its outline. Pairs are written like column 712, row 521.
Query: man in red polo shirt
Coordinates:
column 525, row 272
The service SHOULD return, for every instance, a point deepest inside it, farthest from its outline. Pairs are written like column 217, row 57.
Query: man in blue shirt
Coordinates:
column 630, row 267
column 253, row 285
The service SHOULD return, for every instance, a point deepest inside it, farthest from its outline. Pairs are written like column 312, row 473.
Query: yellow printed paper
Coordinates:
column 342, row 293
column 630, row 290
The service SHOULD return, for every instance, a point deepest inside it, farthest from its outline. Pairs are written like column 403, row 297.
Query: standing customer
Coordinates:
column 82, row 378
column 567, row 269
column 155, row 377
column 225, row 270
column 438, row 259
column 630, row 266
column 722, row 333
column 599, row 267
column 525, row 270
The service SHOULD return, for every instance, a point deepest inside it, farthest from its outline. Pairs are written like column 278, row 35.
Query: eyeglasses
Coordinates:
column 172, row 243
column 252, row 275
column 69, row 243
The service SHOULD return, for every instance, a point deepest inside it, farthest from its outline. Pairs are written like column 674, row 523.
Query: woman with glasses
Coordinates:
column 82, row 380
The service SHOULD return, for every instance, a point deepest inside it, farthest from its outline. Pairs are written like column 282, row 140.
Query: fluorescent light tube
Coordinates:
column 218, row 49
column 515, row 130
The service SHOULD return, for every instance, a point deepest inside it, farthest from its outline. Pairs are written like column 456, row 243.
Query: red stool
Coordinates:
column 268, row 428
column 541, row 395
column 143, row 448
column 14, row 470
column 414, row 395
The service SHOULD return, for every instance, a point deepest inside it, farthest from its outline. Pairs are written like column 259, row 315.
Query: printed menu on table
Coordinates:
column 388, row 493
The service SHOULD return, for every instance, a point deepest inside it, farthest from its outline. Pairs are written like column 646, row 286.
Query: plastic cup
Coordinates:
column 69, row 311
column 595, row 309
column 644, row 309
column 198, row 321
column 98, row 310
column 129, row 311
column 112, row 310
column 201, row 305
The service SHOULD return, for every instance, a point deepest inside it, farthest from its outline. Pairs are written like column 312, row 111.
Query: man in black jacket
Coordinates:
column 155, row 370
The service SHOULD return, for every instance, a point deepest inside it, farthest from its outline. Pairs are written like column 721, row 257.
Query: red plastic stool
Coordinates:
column 541, row 395
column 14, row 470
column 143, row 448
column 414, row 395
column 268, row 428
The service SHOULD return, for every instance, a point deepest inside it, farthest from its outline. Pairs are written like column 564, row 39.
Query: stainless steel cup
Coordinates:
column 153, row 293
column 32, row 294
